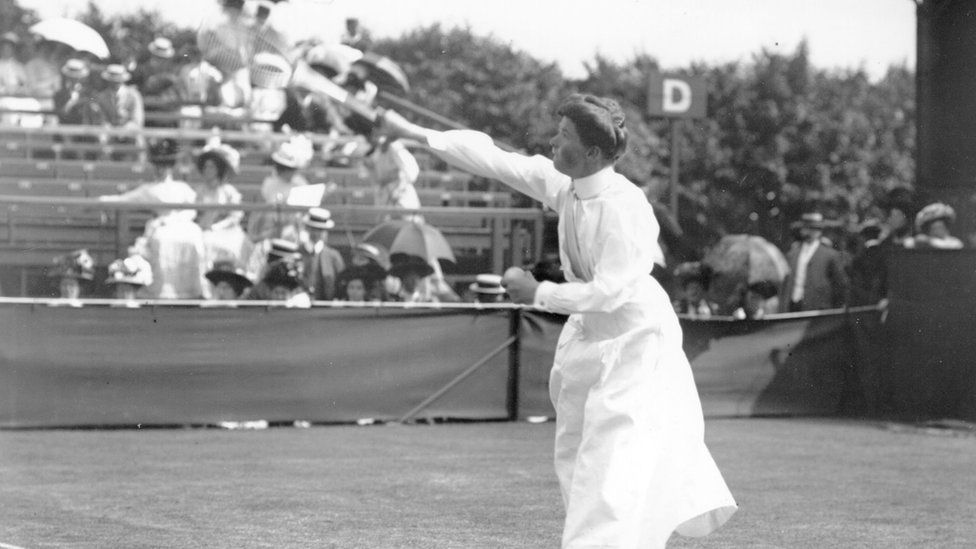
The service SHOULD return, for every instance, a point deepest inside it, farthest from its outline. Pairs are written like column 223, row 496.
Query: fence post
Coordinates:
column 514, row 365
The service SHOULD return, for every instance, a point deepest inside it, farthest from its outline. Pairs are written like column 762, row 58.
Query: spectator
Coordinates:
column 487, row 288
column 230, row 283
column 223, row 235
column 896, row 232
column 283, row 281
column 286, row 163
column 175, row 242
column 121, row 103
column 817, row 278
column 376, row 263
column 265, row 253
column 323, row 263
column 758, row 299
column 159, row 82
column 76, row 101
column 129, row 276
column 43, row 75
column 693, row 279
column 865, row 270
column 73, row 270
column 414, row 273
column 199, row 81
column 932, row 224
column 13, row 77
column 359, row 284
column 394, row 171
column 355, row 35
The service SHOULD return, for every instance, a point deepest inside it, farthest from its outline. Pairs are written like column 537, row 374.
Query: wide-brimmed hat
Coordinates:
column 763, row 288
column 75, row 68
column 226, row 271
column 487, row 284
column 401, row 264
column 77, row 264
column 294, row 153
column 287, row 272
column 372, row 252
column 221, row 153
column 318, row 218
column 116, row 73
column 934, row 212
column 133, row 270
column 283, row 248
column 163, row 150
column 813, row 220
column 693, row 271
column 162, row 47
column 367, row 273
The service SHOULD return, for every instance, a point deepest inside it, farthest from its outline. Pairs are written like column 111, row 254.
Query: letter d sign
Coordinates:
column 676, row 96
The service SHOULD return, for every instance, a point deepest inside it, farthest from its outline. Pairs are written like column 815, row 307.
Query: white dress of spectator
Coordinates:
column 395, row 171
column 223, row 235
column 13, row 77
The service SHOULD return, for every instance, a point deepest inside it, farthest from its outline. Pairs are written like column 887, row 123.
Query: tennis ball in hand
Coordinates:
column 512, row 273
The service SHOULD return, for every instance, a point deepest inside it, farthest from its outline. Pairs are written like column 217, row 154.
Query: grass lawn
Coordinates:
column 801, row 483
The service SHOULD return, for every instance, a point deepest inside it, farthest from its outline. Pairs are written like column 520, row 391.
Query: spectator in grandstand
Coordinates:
column 899, row 208
column 358, row 284
column 267, row 252
column 13, row 77
column 283, row 281
column 229, row 282
column 414, row 274
column 355, row 35
column 487, row 288
column 175, row 243
column 199, row 81
column 121, row 103
column 43, row 74
column 129, row 276
column 287, row 161
column 932, row 225
column 375, row 261
column 323, row 264
column 394, row 171
column 73, row 270
column 756, row 300
column 159, row 83
column 223, row 234
column 817, row 278
column 865, row 279
column 693, row 280
column 76, row 102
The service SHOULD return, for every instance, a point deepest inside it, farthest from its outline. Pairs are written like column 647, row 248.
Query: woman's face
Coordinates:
column 356, row 290
column 125, row 291
column 280, row 293
column 210, row 172
column 938, row 229
column 224, row 291
column 70, row 288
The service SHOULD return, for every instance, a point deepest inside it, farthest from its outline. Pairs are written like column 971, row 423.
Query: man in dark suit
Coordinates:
column 817, row 278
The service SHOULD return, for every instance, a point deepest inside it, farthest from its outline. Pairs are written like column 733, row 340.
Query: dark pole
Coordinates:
column 514, row 364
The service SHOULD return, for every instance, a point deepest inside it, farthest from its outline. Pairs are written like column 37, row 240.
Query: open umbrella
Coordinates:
column 384, row 72
column 412, row 238
column 750, row 258
column 73, row 33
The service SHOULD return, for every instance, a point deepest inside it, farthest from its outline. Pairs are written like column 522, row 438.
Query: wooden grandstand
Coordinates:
column 49, row 184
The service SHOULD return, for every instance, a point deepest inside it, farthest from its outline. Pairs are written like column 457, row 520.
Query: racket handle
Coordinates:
column 306, row 77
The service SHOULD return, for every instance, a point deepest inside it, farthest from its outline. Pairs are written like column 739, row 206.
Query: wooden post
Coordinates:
column 675, row 154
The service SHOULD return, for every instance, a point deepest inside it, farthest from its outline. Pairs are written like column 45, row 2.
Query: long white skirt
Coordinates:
column 177, row 255
column 629, row 451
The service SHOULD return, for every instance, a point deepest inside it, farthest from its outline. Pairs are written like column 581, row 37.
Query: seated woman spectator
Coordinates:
column 287, row 161
column 414, row 274
column 223, row 236
column 74, row 270
column 757, row 299
column 359, row 284
column 129, row 276
column 13, row 77
column 932, row 223
column 375, row 261
column 282, row 281
column 43, row 74
column 229, row 282
column 693, row 280
column 175, row 242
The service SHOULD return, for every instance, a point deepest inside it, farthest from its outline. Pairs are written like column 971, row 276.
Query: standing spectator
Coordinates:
column 896, row 232
column 121, row 103
column 865, row 275
column 43, row 74
column 159, row 83
column 72, row 271
column 817, row 278
column 13, row 77
column 323, row 263
column 175, row 242
column 932, row 224
column 286, row 163
column 223, row 235
column 394, row 171
column 487, row 288
column 355, row 35
column 230, row 283
column 693, row 279
column 129, row 276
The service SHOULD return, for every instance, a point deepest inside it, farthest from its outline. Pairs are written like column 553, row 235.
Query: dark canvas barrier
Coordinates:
column 932, row 334
column 178, row 365
column 794, row 364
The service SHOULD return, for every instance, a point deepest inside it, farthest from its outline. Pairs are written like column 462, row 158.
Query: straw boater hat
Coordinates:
column 75, row 68
column 283, row 248
column 934, row 212
column 286, row 157
column 116, row 73
column 133, row 270
column 77, row 264
column 490, row 284
column 318, row 218
column 402, row 264
column 222, row 154
column 813, row 220
column 226, row 271
column 162, row 47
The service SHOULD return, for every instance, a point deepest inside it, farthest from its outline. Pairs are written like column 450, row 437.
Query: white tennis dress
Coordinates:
column 629, row 451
